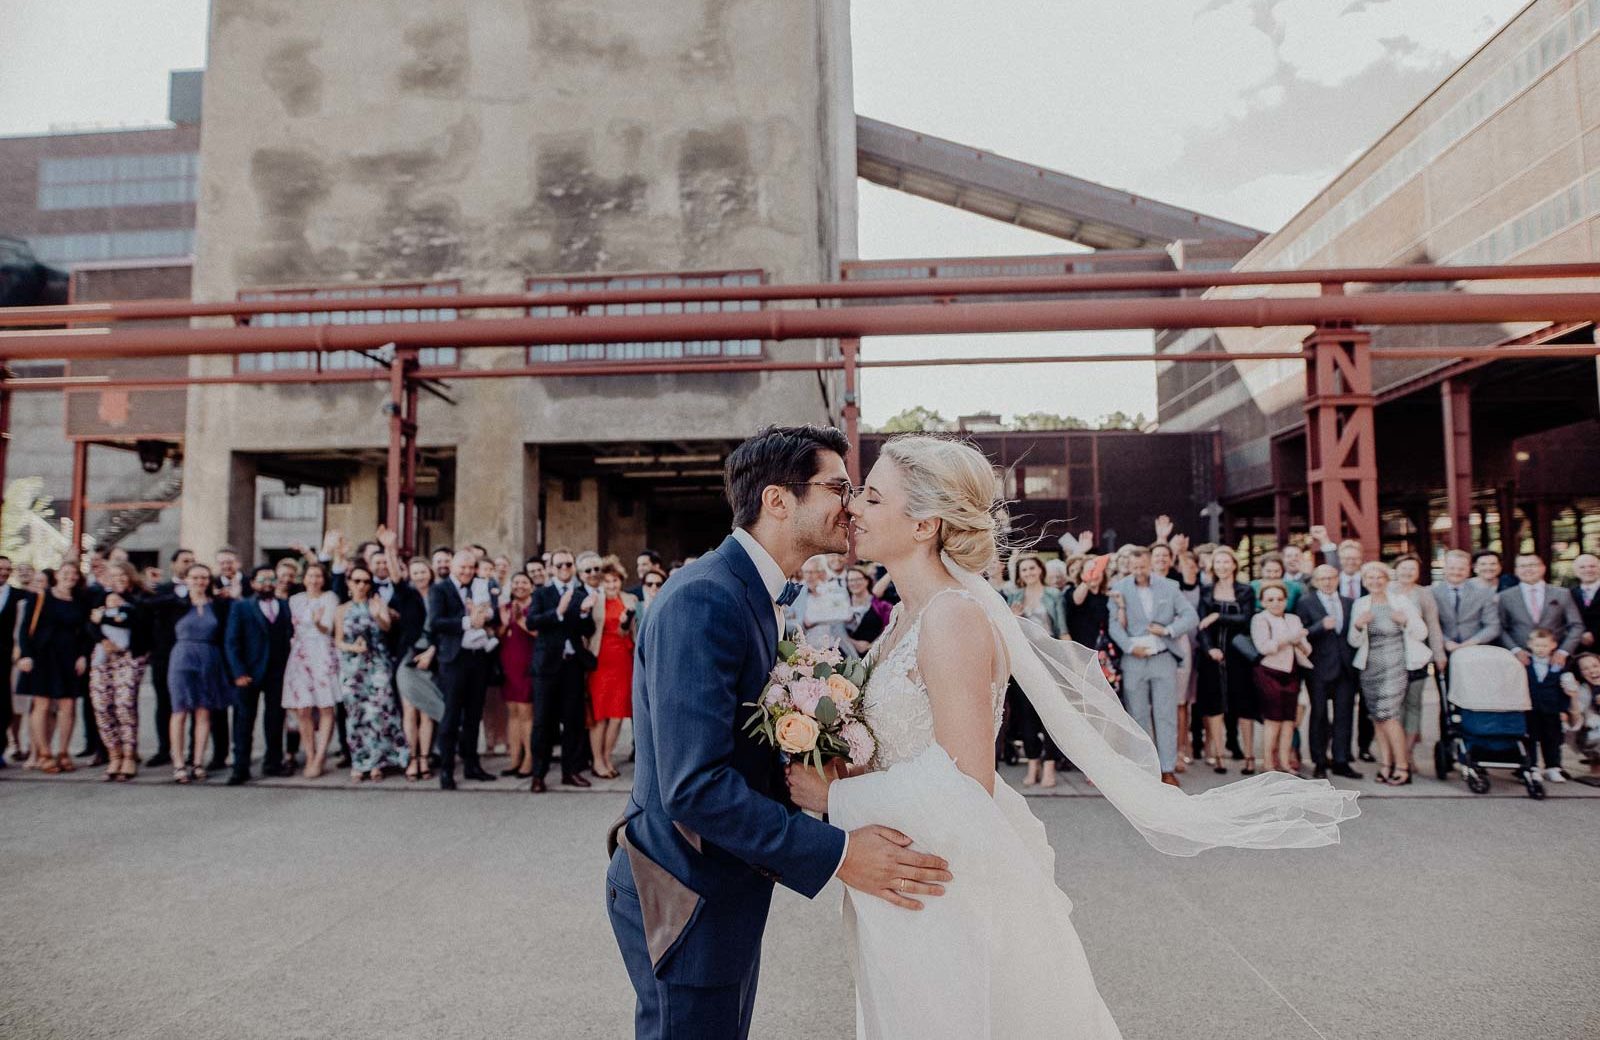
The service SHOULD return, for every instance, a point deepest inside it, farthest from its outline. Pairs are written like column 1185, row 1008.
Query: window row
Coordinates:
column 159, row 243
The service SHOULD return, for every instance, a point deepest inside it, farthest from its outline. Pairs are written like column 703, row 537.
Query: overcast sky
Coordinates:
column 1239, row 108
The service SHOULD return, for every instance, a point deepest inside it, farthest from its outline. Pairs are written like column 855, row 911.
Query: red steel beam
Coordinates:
column 147, row 310
column 553, row 371
column 1444, row 308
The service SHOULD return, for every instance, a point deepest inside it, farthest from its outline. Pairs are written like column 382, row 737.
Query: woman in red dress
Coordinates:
column 516, row 661
column 611, row 683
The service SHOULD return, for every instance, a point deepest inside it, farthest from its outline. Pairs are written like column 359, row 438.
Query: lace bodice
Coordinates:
column 896, row 698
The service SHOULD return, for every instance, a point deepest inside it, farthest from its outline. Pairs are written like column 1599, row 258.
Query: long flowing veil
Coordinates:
column 1064, row 683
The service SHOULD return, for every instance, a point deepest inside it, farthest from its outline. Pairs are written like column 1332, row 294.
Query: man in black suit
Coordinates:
column 458, row 624
column 9, row 599
column 256, row 648
column 390, row 584
column 560, row 614
column 1586, row 593
column 171, row 597
column 1326, row 617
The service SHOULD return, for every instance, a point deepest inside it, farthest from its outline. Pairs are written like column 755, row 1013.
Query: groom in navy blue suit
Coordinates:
column 709, row 828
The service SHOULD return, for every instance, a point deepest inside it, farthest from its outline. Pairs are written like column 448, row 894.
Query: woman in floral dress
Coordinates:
column 311, row 678
column 373, row 725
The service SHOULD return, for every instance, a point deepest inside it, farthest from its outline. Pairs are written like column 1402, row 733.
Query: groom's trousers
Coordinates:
column 1150, row 690
column 665, row 1010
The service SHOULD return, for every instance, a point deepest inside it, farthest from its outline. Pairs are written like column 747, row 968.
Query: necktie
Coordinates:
column 1535, row 606
column 1455, row 594
column 270, row 608
column 791, row 591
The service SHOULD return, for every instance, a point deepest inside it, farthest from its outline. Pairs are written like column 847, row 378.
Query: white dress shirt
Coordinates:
column 774, row 579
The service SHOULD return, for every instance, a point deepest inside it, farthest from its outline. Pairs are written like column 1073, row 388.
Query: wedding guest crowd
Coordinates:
column 392, row 666
column 330, row 655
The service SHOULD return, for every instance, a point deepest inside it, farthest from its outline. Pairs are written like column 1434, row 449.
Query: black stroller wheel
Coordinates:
column 1442, row 765
column 1477, row 783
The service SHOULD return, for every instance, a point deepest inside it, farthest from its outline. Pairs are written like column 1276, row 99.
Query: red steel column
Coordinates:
column 408, row 509
column 1456, row 398
column 401, row 469
column 1341, row 448
column 851, row 412
column 80, row 484
column 5, row 434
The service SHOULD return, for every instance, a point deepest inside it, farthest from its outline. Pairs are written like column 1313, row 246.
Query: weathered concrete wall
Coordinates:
column 494, row 140
column 572, row 525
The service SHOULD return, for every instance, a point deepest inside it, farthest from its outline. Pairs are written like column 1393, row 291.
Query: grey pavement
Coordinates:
column 150, row 911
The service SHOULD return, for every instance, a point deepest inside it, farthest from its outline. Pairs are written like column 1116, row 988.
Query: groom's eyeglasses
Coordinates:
column 845, row 490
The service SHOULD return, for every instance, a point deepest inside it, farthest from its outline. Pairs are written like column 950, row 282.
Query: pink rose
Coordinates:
column 859, row 737
column 805, row 693
column 776, row 696
column 842, row 690
column 797, row 733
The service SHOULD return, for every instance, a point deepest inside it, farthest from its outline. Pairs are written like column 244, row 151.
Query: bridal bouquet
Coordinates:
column 810, row 708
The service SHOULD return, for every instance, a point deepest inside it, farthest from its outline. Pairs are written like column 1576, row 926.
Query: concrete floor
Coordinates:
column 151, row 911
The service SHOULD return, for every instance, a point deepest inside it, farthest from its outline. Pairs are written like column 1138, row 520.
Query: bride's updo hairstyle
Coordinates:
column 952, row 482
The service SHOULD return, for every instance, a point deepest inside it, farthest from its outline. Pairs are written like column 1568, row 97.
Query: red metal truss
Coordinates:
column 1341, row 440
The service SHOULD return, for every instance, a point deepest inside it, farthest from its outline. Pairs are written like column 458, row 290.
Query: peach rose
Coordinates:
column 797, row 733
column 842, row 690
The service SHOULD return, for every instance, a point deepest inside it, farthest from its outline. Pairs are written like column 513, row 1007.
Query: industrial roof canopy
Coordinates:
column 1029, row 196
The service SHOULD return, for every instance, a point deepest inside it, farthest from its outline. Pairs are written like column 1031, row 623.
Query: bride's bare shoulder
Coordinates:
column 955, row 625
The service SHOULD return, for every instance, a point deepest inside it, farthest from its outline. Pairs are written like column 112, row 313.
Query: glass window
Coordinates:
column 1044, row 482
column 347, row 360
column 112, row 245
column 558, row 353
column 90, row 182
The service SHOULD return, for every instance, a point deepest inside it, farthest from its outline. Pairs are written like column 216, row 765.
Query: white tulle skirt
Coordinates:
column 996, row 956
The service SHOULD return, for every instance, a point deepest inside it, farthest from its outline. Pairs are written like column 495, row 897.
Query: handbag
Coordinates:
column 1245, row 647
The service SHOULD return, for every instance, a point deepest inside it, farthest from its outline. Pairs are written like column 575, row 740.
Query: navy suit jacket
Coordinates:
column 1332, row 656
column 254, row 647
column 556, row 630
column 709, row 812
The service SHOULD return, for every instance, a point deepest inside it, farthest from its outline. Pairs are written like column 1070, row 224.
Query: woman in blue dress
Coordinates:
column 196, row 677
column 375, row 731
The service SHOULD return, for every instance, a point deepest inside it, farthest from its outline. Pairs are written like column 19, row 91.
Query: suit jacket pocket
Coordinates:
column 667, row 905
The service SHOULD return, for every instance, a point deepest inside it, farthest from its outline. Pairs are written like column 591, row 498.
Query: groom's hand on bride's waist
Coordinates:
column 879, row 862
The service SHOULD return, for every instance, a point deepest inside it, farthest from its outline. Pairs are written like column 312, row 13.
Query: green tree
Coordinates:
column 1120, row 420
column 1047, row 421
column 916, row 419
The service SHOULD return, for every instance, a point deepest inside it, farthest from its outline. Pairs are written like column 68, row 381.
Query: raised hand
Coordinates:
column 387, row 538
column 1163, row 527
column 879, row 862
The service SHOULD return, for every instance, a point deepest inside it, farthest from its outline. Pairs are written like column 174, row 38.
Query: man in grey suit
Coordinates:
column 1469, row 614
column 1148, row 618
column 1531, row 604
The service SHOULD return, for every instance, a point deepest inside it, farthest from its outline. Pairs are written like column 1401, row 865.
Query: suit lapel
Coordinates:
column 755, row 591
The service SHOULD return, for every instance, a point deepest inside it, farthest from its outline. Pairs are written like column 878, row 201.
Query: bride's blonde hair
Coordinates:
column 952, row 482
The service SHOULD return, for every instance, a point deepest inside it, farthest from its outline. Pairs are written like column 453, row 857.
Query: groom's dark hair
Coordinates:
column 783, row 455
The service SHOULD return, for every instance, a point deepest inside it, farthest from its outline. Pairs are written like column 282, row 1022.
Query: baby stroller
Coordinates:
column 1485, row 724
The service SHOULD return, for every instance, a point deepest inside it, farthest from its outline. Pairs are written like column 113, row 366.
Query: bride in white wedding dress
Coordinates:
column 994, row 954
